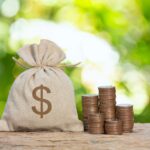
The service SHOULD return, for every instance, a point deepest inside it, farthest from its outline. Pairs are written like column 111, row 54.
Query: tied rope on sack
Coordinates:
column 24, row 65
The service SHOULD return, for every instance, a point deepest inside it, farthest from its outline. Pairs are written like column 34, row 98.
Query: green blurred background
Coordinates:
column 118, row 30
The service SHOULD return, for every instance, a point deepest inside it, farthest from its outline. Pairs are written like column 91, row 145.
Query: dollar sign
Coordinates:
column 41, row 100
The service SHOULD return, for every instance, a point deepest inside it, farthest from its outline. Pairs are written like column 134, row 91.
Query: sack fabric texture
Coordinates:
column 42, row 97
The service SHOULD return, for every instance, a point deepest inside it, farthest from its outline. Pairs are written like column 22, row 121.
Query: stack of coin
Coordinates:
column 96, row 123
column 89, row 105
column 124, row 112
column 107, row 96
column 113, row 127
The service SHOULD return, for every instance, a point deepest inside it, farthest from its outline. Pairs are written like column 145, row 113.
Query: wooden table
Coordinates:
column 138, row 140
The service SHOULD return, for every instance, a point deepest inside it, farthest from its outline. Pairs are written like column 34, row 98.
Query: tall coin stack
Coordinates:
column 125, row 114
column 96, row 123
column 89, row 105
column 107, row 96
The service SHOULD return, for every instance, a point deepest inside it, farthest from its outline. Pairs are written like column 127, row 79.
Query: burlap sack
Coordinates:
column 42, row 97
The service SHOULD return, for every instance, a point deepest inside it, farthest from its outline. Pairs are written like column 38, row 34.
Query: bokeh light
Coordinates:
column 10, row 8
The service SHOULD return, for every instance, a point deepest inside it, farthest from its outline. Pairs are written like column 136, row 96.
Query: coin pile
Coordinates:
column 107, row 96
column 101, row 115
column 96, row 123
column 113, row 127
column 89, row 105
column 125, row 114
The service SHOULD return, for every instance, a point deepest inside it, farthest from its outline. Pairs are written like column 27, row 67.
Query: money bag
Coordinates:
column 42, row 97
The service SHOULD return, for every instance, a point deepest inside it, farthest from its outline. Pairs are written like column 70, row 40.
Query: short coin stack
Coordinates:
column 107, row 95
column 113, row 127
column 96, row 123
column 89, row 105
column 125, row 114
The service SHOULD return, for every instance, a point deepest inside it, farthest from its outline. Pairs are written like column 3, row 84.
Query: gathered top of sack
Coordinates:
column 47, row 53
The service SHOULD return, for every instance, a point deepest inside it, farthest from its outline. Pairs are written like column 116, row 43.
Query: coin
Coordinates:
column 90, row 109
column 113, row 127
column 107, row 102
column 107, row 96
column 106, row 88
column 89, row 105
column 124, row 106
column 96, row 123
column 90, row 98
column 124, row 112
column 95, row 130
column 96, row 117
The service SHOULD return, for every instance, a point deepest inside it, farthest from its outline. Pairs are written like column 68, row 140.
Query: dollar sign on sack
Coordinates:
column 41, row 112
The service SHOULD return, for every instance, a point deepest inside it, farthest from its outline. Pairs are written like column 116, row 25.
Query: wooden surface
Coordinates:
column 138, row 140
